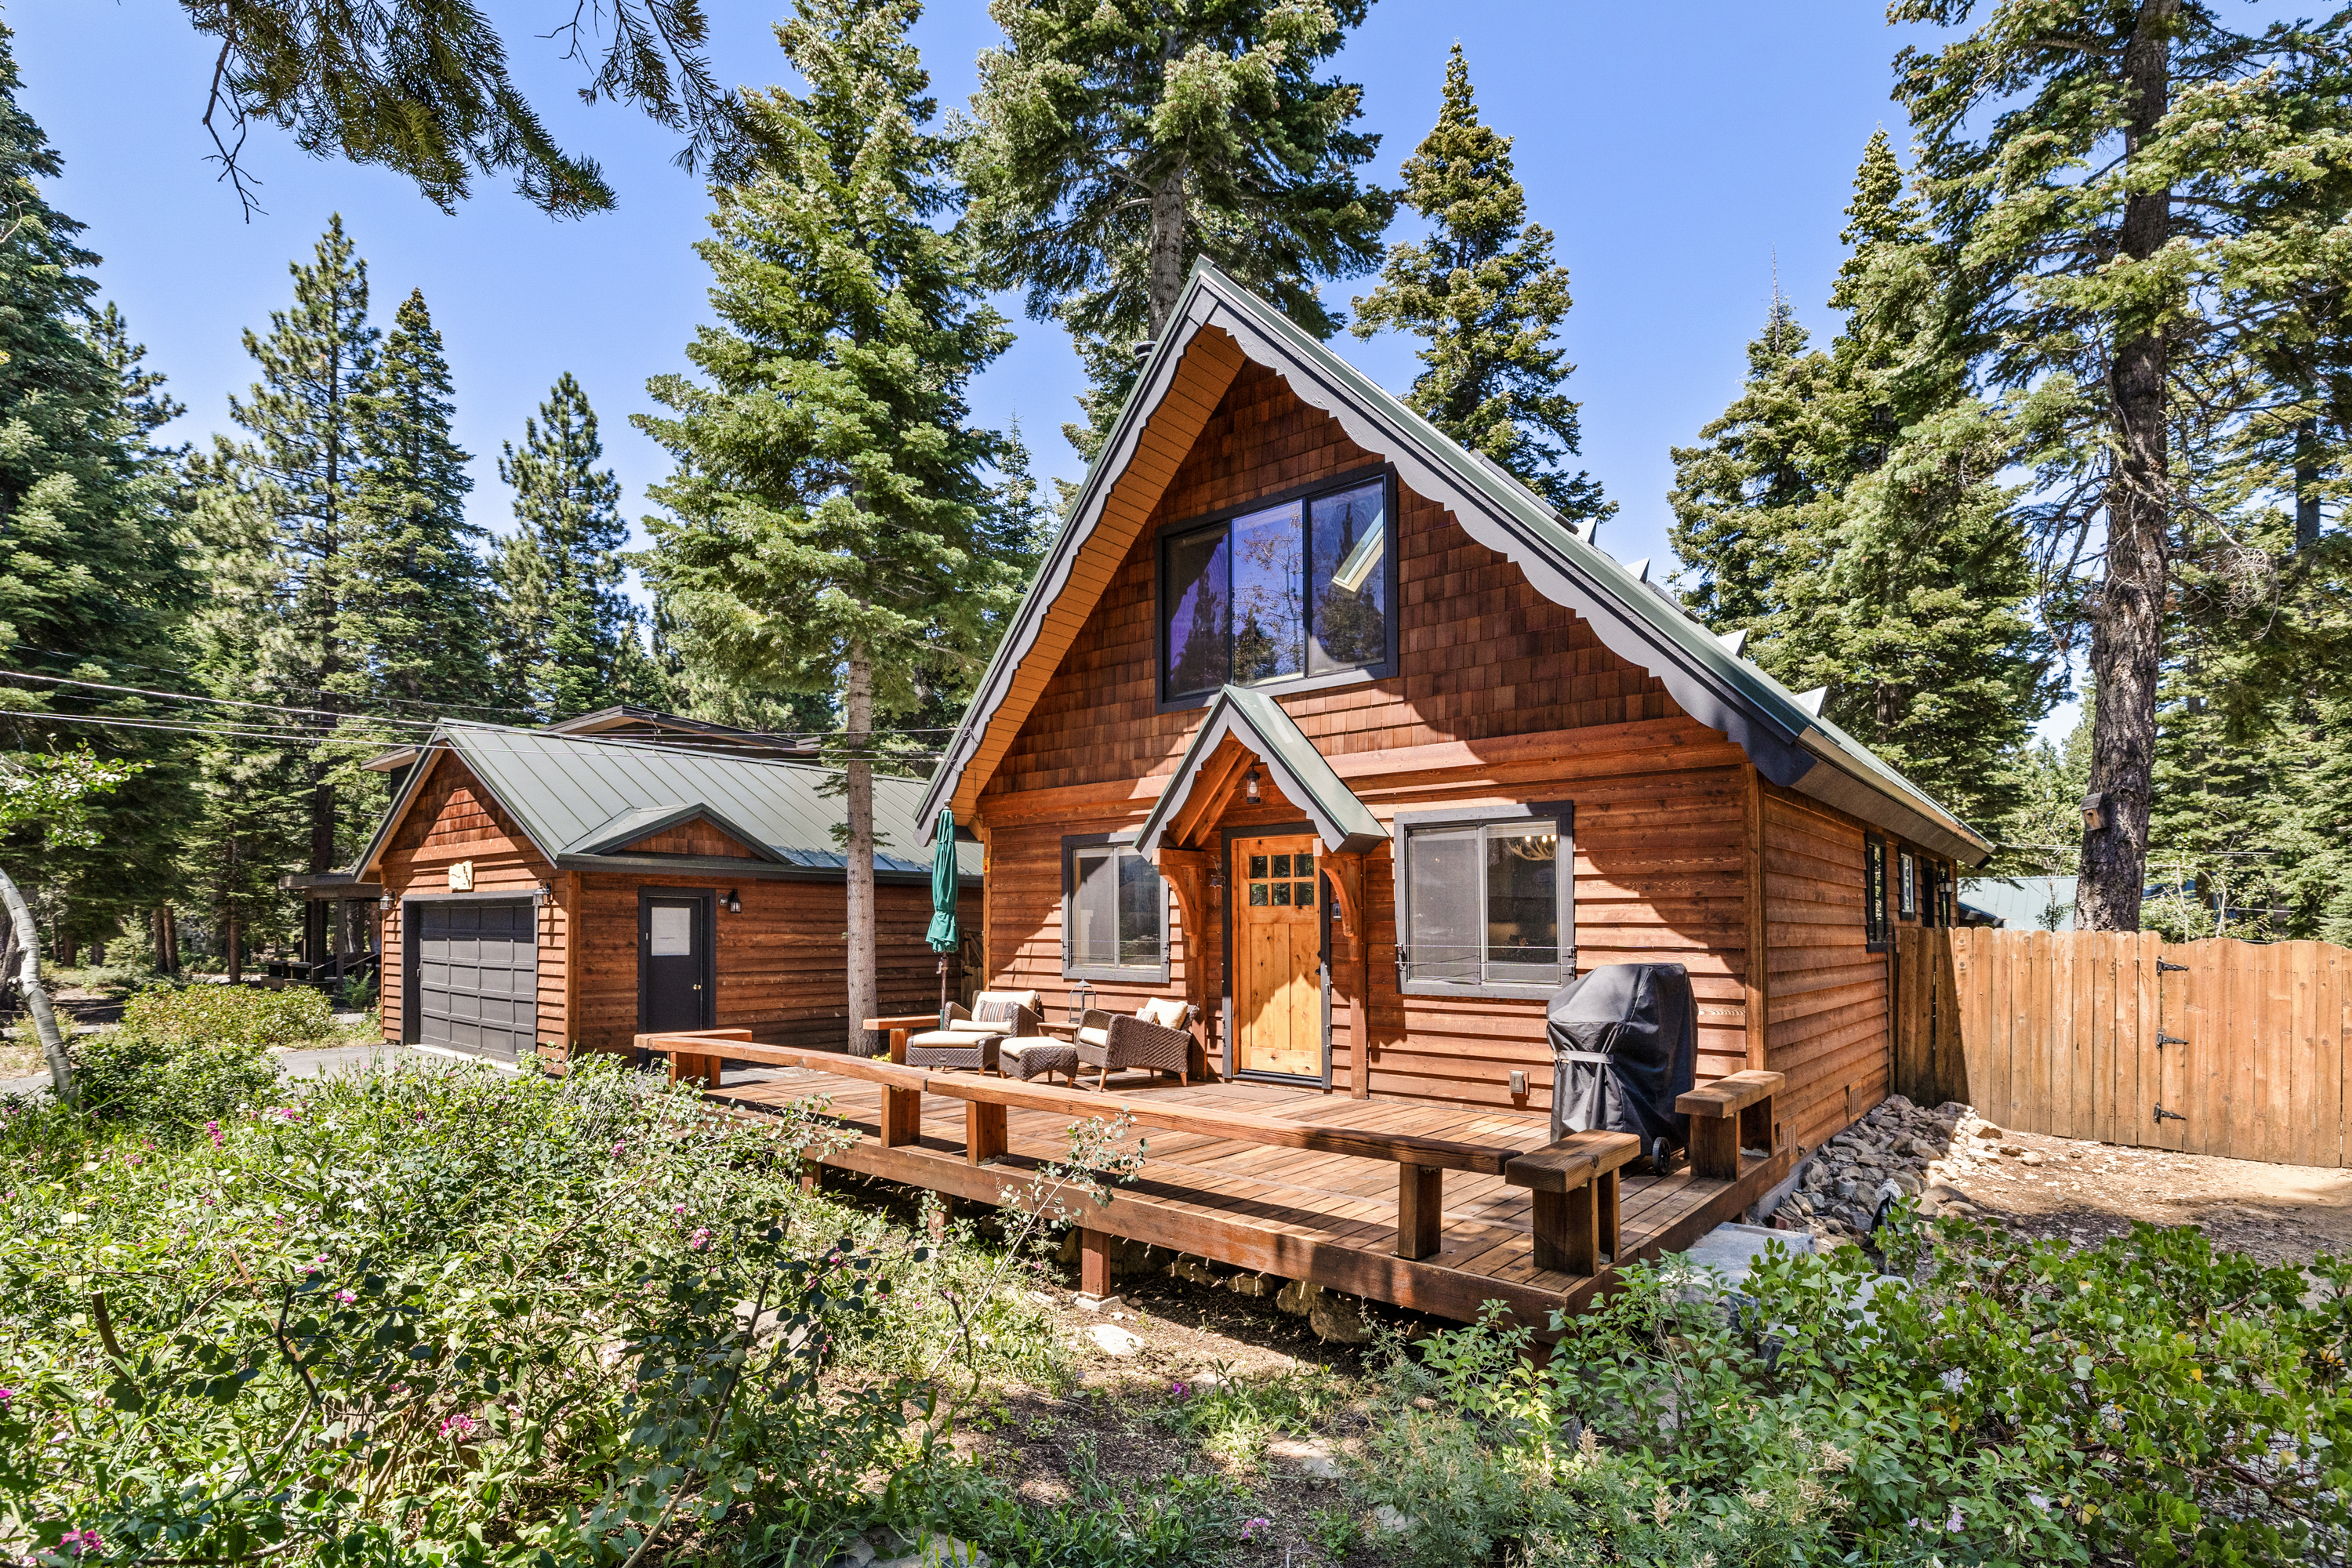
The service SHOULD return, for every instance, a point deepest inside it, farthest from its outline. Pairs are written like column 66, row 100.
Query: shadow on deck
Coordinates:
column 1330, row 1218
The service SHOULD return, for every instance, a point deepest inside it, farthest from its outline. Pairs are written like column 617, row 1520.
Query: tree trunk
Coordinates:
column 2306, row 484
column 1169, row 262
column 36, row 997
column 857, row 710
column 2127, row 627
column 230, row 943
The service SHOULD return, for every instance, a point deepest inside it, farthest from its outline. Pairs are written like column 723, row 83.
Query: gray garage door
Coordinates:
column 477, row 977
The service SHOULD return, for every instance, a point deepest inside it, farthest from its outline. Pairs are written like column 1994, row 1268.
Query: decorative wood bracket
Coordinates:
column 1346, row 875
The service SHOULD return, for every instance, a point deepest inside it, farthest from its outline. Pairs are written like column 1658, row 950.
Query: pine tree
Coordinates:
column 93, row 581
column 574, row 645
column 1847, row 512
column 415, row 613
column 280, row 517
column 1485, row 292
column 2112, row 179
column 829, row 513
column 1115, row 142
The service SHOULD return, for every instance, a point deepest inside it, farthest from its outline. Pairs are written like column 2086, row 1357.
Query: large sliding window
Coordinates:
column 1289, row 590
column 1114, row 913
column 1486, row 901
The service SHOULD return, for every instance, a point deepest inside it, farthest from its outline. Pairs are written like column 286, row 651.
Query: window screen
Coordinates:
column 1116, row 911
column 1487, row 904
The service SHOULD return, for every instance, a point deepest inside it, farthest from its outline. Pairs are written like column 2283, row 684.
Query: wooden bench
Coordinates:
column 1729, row 1115
column 1421, row 1161
column 1575, row 1185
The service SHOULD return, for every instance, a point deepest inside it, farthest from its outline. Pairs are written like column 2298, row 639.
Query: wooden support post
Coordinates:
column 812, row 1175
column 1566, row 1235
column 902, row 1116
column 1094, row 1263
column 898, row 1045
column 983, row 1132
column 1714, row 1146
column 942, row 1211
column 1756, row 1128
column 1605, row 1210
column 1421, row 1193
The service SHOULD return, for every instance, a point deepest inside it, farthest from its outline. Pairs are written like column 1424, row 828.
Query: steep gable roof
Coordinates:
column 580, row 800
column 1263, row 731
column 1216, row 327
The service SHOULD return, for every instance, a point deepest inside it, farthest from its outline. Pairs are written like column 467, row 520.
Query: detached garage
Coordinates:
column 548, row 893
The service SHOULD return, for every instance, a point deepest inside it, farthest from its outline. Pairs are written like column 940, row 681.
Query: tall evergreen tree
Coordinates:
column 1847, row 512
column 1485, row 293
column 94, row 582
column 1115, row 142
column 280, row 518
column 2144, row 200
column 415, row 613
column 573, row 642
column 828, row 516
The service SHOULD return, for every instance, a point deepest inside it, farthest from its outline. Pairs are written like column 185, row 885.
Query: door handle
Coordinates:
column 697, row 985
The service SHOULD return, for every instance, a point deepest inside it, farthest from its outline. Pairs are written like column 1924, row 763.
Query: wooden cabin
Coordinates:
column 1326, row 725
column 558, row 891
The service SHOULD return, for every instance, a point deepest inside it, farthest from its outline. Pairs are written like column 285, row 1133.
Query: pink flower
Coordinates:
column 1179, row 1389
column 678, row 1208
column 1252, row 1526
column 81, row 1542
column 459, row 1427
column 619, row 1150
column 696, row 1241
column 345, row 1298
column 6, row 1395
column 315, row 1264
column 214, row 1128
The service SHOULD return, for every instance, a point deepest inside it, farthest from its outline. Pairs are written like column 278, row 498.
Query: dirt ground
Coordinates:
column 2086, row 1191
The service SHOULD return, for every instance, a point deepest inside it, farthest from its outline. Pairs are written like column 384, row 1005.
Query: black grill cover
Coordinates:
column 1624, row 1043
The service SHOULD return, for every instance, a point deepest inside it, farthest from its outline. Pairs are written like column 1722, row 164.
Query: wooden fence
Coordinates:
column 2209, row 1047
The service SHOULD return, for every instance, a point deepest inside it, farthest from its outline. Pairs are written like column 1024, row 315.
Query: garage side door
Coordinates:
column 477, row 977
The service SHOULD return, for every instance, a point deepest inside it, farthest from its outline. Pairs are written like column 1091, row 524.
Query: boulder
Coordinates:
column 1112, row 1340
column 1337, row 1320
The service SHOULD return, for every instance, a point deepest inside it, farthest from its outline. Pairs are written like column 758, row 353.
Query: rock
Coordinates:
column 1113, row 1340
column 1816, row 1176
column 939, row 1551
column 1212, row 1379
column 1986, row 1130
column 1310, row 1457
column 2014, row 1150
column 1295, row 1296
column 1953, row 1108
column 1086, row 1303
column 1195, row 1269
column 1337, row 1320
column 1253, row 1284
column 856, row 1554
column 1387, row 1521
column 2030, row 1157
column 1844, row 1188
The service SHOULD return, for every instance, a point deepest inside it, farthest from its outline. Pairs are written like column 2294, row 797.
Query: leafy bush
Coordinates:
column 2147, row 1400
column 231, row 1015
column 163, row 1082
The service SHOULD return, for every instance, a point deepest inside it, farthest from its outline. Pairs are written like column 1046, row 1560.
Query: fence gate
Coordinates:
column 2223, row 1047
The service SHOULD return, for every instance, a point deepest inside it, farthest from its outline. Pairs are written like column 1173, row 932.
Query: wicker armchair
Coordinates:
column 1113, row 1042
column 970, row 1039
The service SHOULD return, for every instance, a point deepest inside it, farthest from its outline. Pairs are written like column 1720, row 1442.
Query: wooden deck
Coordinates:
column 1328, row 1217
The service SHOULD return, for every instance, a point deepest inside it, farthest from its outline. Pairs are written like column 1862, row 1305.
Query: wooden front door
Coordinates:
column 1277, row 957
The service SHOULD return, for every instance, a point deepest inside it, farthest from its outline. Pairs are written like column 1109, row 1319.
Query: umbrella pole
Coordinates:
column 943, row 985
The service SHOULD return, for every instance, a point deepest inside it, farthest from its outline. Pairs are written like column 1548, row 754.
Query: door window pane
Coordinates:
column 1198, row 608
column 1269, row 630
column 1442, row 904
column 673, row 931
column 1116, row 911
column 1347, row 580
column 1523, row 903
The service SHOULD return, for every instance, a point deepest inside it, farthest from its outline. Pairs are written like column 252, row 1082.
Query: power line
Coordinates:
column 191, row 675
column 222, row 701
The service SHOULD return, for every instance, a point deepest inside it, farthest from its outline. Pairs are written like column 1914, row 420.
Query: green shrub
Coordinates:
column 234, row 1015
column 164, row 1082
column 2148, row 1400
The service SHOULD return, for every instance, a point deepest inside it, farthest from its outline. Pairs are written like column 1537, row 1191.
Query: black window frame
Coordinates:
column 1908, row 868
column 1073, row 846
column 1176, row 533
column 1877, row 906
column 1562, row 814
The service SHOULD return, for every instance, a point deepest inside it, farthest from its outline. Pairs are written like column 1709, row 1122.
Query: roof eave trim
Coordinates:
column 1840, row 782
column 428, row 756
column 601, row 843
column 719, row 867
column 1343, row 823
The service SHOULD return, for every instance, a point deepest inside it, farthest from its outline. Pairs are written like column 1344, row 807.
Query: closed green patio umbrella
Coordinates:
column 942, row 936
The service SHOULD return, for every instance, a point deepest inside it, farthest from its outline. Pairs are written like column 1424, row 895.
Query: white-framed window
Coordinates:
column 1486, row 900
column 1114, row 912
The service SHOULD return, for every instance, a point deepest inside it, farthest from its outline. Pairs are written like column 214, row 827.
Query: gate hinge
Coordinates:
column 2161, row 966
column 2163, row 1116
column 2163, row 1040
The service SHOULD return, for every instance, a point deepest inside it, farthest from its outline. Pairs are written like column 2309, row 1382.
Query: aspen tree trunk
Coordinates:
column 857, row 710
column 2128, row 627
column 36, row 996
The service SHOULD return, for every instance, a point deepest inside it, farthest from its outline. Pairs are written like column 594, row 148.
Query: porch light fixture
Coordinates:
column 2094, row 812
column 734, row 902
column 546, row 888
column 1249, row 785
column 383, row 903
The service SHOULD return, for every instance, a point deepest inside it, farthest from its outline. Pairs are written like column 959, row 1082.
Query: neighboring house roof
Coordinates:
column 1218, row 325
column 628, row 716
column 2021, row 903
column 1258, row 724
column 581, row 801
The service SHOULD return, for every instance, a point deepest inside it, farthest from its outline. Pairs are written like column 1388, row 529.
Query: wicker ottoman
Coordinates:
column 1038, row 1056
column 953, row 1049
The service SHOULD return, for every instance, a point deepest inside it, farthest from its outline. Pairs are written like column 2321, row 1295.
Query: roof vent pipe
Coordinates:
column 1143, row 350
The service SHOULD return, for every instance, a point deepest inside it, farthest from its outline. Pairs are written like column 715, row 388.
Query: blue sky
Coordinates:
column 1677, row 151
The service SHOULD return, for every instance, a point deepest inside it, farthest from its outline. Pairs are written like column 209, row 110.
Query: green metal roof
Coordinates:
column 580, row 799
column 1790, row 744
column 1306, row 780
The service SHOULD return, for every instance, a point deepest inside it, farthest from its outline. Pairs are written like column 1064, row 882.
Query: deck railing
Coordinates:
column 1421, row 1163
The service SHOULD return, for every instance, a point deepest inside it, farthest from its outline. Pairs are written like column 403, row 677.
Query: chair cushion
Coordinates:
column 976, row 1025
column 1168, row 1014
column 991, row 1007
column 953, row 1039
column 1095, row 1036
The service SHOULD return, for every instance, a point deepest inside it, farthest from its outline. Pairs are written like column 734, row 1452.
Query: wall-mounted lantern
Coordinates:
column 1249, row 785
column 734, row 901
